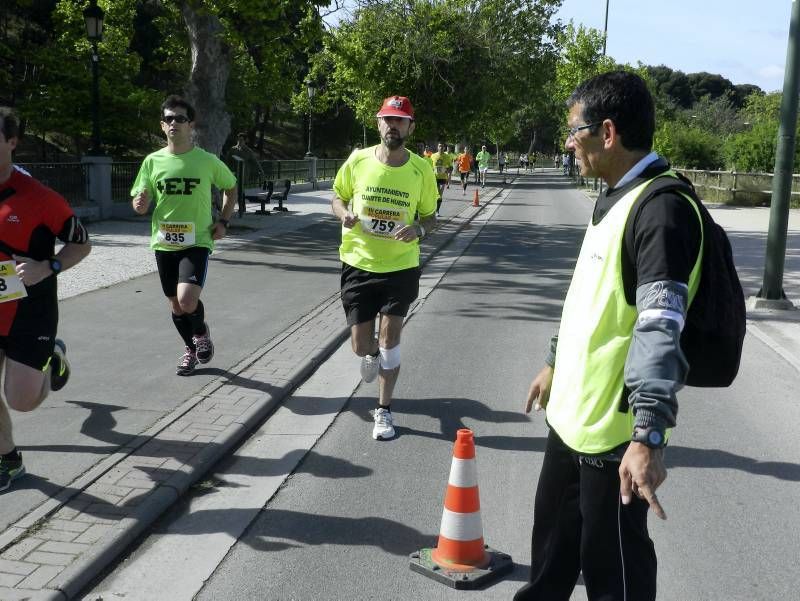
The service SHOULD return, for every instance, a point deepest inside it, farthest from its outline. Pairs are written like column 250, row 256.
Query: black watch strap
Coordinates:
column 55, row 265
column 651, row 437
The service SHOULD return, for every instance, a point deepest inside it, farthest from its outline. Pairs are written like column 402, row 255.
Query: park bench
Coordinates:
column 268, row 195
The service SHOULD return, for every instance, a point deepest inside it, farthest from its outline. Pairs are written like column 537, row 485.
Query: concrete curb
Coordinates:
column 73, row 579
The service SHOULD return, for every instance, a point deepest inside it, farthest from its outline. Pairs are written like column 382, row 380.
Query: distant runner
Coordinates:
column 464, row 162
column 482, row 159
column 441, row 161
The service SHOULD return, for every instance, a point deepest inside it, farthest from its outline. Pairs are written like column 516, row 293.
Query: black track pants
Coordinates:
column 580, row 525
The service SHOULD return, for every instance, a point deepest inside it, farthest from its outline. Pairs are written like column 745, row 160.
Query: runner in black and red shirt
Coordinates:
column 32, row 216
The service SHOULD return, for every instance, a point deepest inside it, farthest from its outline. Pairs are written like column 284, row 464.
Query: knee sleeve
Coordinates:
column 390, row 357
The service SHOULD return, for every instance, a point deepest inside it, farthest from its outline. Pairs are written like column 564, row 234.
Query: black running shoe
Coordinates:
column 10, row 471
column 204, row 346
column 187, row 364
column 59, row 366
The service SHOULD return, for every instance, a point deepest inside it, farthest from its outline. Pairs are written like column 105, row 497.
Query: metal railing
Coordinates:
column 123, row 174
column 327, row 168
column 71, row 180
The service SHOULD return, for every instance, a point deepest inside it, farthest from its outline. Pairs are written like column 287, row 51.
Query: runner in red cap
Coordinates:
column 378, row 192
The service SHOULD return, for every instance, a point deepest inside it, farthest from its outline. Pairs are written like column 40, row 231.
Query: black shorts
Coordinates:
column 365, row 294
column 187, row 266
column 32, row 336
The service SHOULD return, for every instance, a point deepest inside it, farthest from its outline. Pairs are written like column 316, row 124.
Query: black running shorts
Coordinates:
column 187, row 266
column 32, row 336
column 365, row 294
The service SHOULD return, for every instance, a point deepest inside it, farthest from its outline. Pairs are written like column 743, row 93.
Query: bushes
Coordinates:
column 689, row 147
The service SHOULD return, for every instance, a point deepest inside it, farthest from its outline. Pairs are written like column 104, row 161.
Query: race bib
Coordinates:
column 176, row 233
column 11, row 286
column 381, row 222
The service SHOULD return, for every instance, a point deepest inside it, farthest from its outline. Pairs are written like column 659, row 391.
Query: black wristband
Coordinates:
column 224, row 222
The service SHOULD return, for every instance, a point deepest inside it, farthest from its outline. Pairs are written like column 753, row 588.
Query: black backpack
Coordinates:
column 715, row 325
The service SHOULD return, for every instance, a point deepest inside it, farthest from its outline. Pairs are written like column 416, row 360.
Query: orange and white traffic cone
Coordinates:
column 475, row 202
column 461, row 559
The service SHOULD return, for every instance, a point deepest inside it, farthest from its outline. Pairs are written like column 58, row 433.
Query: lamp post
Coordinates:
column 312, row 89
column 605, row 30
column 93, row 16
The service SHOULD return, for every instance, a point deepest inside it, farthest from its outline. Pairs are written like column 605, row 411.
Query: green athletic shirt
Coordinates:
column 483, row 159
column 441, row 161
column 180, row 186
column 384, row 198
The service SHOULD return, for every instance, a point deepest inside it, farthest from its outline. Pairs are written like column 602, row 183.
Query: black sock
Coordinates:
column 198, row 319
column 12, row 455
column 387, row 407
column 184, row 327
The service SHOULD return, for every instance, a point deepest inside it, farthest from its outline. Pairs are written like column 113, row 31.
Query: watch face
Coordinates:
column 655, row 437
column 55, row 265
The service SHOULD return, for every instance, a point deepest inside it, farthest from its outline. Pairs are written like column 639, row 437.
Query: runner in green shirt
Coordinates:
column 483, row 164
column 441, row 161
column 179, row 178
column 378, row 192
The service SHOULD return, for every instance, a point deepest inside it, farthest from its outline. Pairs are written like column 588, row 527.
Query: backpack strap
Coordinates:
column 659, row 185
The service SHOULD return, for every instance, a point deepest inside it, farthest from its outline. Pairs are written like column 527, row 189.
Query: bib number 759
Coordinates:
column 383, row 226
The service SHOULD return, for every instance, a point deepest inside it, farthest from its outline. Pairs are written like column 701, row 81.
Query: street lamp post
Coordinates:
column 312, row 89
column 93, row 16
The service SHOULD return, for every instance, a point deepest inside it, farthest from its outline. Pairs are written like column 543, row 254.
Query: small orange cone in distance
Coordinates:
column 475, row 202
column 461, row 559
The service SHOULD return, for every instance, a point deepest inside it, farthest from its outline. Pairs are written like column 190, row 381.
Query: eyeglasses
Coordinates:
column 175, row 118
column 571, row 131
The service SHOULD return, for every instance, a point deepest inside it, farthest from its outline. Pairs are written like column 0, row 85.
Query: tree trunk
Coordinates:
column 211, row 66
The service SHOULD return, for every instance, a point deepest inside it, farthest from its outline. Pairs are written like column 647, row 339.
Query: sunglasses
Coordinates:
column 175, row 118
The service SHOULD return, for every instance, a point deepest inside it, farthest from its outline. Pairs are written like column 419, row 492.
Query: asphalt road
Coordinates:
column 342, row 525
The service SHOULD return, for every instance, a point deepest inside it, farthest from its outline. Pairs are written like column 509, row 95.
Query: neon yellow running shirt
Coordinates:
column 385, row 199
column 180, row 186
column 441, row 161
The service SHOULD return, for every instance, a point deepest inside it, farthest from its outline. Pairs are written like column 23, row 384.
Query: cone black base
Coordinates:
column 499, row 565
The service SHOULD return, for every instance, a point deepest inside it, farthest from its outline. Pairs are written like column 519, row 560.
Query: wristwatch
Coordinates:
column 651, row 437
column 55, row 265
column 224, row 222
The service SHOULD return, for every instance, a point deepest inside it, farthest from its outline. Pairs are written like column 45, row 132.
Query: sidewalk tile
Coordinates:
column 93, row 534
column 16, row 567
column 65, row 548
column 51, row 559
column 20, row 549
column 40, row 578
column 10, row 580
column 48, row 533
column 67, row 525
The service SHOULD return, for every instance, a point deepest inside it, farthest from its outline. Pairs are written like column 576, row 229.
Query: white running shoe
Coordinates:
column 384, row 424
column 369, row 367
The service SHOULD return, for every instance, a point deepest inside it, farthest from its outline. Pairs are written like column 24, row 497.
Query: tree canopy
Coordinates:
column 478, row 71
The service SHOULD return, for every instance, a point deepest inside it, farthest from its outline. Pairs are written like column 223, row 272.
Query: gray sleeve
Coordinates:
column 550, row 359
column 656, row 368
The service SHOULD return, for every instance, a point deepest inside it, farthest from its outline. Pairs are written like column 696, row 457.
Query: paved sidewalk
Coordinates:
column 57, row 548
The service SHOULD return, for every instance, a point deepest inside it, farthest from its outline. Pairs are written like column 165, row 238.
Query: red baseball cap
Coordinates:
column 396, row 106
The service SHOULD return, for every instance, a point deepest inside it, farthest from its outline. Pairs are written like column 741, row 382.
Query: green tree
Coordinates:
column 466, row 65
